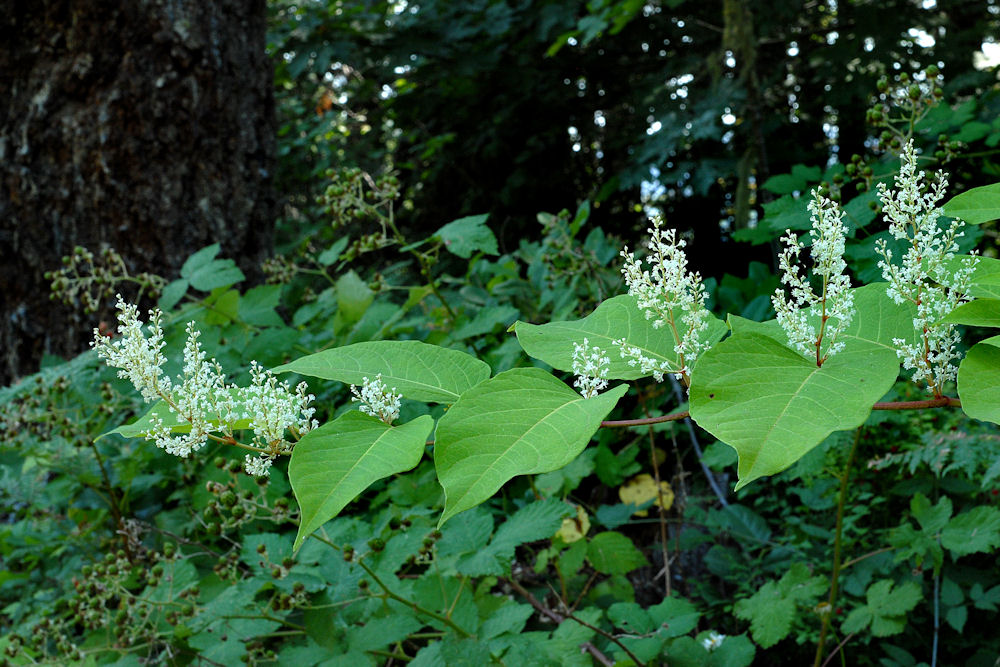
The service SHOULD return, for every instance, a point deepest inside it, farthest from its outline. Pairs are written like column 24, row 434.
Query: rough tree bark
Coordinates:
column 147, row 126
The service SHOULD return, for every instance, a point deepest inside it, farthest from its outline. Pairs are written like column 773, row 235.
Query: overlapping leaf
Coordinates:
column 417, row 370
column 618, row 317
column 979, row 381
column 331, row 465
column 523, row 421
column 773, row 405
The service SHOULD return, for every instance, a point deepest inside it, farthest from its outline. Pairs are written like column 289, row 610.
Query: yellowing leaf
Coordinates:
column 642, row 488
column 574, row 528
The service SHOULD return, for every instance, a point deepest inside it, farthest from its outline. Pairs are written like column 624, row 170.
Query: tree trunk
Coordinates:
column 147, row 126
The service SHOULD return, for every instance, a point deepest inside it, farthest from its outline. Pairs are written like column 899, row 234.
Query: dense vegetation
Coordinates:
column 875, row 545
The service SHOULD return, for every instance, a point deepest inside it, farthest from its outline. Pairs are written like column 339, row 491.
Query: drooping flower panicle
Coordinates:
column 590, row 365
column 924, row 276
column 201, row 396
column 377, row 399
column 671, row 297
column 834, row 305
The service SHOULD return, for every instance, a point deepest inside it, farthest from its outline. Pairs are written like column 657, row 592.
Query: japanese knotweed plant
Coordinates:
column 772, row 390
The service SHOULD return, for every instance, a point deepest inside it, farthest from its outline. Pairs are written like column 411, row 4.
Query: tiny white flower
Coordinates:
column 671, row 296
column 590, row 365
column 258, row 466
column 377, row 400
column 922, row 277
column 834, row 305
column 201, row 397
column 713, row 641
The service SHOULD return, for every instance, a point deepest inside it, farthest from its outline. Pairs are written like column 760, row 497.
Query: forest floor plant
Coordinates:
column 773, row 390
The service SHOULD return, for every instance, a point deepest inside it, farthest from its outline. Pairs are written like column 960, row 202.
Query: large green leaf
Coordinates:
column 417, row 370
column 985, row 280
column 331, row 465
column 977, row 205
column 979, row 381
column 618, row 317
column 772, row 405
column 877, row 319
column 978, row 313
column 521, row 422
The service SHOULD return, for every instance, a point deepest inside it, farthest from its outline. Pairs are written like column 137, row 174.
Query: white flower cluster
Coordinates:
column 258, row 466
column 834, row 305
column 923, row 278
column 713, row 641
column 377, row 400
column 201, row 396
column 591, row 368
column 671, row 296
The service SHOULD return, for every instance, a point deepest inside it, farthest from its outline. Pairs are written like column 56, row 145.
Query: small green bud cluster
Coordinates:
column 901, row 103
column 86, row 280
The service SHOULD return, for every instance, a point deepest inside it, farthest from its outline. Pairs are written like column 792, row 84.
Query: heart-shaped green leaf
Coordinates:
column 772, row 405
column 331, row 465
column 977, row 205
column 523, row 421
column 978, row 313
column 979, row 381
column 617, row 317
column 417, row 370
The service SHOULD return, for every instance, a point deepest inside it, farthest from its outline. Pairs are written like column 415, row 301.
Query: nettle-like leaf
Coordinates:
column 651, row 628
column 772, row 609
column 613, row 553
column 924, row 542
column 975, row 531
column 467, row 235
column 979, row 381
column 772, row 405
column 331, row 465
column 521, row 422
column 530, row 523
column 616, row 318
column 417, row 370
column 886, row 610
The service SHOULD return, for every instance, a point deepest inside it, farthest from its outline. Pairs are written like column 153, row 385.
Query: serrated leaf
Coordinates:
column 332, row 254
column 613, row 553
column 615, row 318
column 535, row 521
column 467, row 235
column 215, row 274
column 979, row 381
column 199, row 259
column 975, row 206
column 773, row 608
column 772, row 405
column 172, row 294
column 377, row 633
column 508, row 619
column 523, row 421
column 331, row 465
column 675, row 616
column 257, row 307
column 417, row 370
column 886, row 609
column 975, row 531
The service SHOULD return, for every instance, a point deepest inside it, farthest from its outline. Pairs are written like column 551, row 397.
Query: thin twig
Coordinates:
column 559, row 618
column 837, row 649
column 709, row 475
